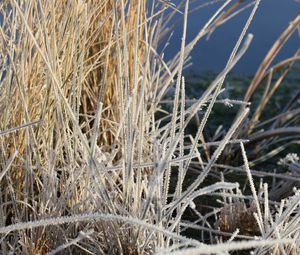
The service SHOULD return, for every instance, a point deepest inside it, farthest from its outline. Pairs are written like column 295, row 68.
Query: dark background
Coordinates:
column 272, row 17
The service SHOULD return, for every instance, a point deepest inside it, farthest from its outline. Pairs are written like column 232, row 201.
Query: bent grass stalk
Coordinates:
column 91, row 168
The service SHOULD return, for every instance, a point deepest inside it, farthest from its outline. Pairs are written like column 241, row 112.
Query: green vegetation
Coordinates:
column 103, row 150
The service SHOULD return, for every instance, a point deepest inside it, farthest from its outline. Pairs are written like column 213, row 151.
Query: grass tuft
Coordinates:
column 91, row 162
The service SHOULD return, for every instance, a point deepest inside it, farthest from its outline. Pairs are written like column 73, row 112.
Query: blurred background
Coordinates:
column 211, row 54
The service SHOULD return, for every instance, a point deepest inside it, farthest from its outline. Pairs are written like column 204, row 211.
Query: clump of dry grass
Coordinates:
column 72, row 67
column 85, row 163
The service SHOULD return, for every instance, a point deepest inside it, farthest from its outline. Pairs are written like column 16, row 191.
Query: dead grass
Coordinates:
column 85, row 163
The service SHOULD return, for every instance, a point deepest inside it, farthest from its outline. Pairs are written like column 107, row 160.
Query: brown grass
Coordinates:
column 87, row 167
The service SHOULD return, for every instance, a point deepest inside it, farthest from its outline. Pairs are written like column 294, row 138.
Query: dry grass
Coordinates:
column 86, row 165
